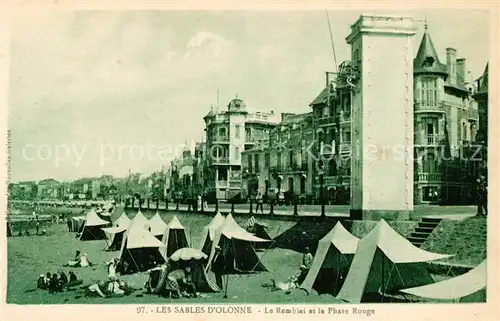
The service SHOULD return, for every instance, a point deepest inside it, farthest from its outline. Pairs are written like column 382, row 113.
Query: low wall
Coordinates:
column 361, row 228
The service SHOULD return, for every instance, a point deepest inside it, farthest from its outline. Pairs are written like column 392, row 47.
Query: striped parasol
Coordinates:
column 251, row 222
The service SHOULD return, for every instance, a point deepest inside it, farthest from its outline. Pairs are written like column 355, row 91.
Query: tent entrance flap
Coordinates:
column 139, row 260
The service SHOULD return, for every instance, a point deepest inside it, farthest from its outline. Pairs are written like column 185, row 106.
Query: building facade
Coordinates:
column 278, row 166
column 228, row 134
column 481, row 96
column 446, row 123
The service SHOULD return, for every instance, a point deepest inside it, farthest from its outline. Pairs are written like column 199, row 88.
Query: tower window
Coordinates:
column 237, row 131
column 429, row 91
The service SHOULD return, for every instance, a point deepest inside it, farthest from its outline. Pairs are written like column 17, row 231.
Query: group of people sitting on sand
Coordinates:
column 113, row 287
column 57, row 282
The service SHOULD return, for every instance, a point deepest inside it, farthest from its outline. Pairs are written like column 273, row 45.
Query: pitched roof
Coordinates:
column 427, row 60
column 483, row 82
column 322, row 97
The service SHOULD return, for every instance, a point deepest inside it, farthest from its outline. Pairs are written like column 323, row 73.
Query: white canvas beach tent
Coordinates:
column 140, row 250
column 77, row 223
column 332, row 261
column 468, row 287
column 208, row 233
column 236, row 248
column 92, row 229
column 385, row 262
column 157, row 225
column 174, row 237
column 116, row 232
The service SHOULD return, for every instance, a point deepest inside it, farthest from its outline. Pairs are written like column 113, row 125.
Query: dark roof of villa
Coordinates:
column 427, row 60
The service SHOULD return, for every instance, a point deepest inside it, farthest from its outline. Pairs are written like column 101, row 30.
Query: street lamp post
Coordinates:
column 321, row 192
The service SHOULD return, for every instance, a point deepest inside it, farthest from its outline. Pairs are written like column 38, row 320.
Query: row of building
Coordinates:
column 300, row 155
column 105, row 187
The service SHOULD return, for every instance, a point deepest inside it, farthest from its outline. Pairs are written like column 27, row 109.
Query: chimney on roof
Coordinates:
column 451, row 63
column 462, row 70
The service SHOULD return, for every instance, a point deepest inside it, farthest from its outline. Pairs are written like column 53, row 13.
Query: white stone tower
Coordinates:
column 382, row 118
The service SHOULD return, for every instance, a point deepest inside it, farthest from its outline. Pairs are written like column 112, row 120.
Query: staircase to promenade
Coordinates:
column 422, row 231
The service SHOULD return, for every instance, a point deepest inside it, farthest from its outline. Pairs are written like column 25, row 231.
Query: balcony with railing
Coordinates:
column 220, row 161
column 429, row 177
column 326, row 121
column 259, row 117
column 429, row 140
column 222, row 184
column 327, row 149
column 297, row 168
column 429, row 106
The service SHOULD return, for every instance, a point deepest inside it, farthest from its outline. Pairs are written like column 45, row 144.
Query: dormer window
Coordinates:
column 428, row 62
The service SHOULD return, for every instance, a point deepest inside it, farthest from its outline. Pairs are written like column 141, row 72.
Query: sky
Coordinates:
column 95, row 93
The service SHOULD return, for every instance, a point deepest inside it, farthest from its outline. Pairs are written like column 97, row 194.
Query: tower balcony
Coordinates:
column 429, row 177
column 429, row 140
column 345, row 149
column 429, row 106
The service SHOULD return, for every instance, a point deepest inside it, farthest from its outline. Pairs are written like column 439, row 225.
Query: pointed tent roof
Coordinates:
column 157, row 224
column 92, row 219
column 138, row 237
column 231, row 229
column 344, row 242
column 427, row 60
column 339, row 237
column 123, row 220
column 397, row 250
column 454, row 288
column 175, row 224
column 396, row 247
column 139, row 219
